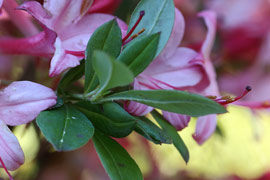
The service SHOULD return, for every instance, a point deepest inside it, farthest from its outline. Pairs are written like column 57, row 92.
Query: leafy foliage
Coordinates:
column 100, row 112
column 65, row 127
column 115, row 159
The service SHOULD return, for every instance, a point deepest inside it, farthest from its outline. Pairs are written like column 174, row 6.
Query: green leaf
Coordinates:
column 140, row 53
column 170, row 100
column 152, row 132
column 65, row 128
column 107, row 38
column 115, row 159
column 176, row 138
column 72, row 75
column 110, row 73
column 109, row 118
column 159, row 17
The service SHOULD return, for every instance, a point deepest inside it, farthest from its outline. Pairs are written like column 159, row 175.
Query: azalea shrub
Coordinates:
column 110, row 79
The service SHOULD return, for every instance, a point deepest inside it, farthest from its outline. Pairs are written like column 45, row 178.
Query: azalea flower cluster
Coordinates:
column 61, row 35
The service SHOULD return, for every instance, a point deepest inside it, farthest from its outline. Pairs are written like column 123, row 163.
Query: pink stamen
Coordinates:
column 227, row 100
column 5, row 168
column 76, row 53
column 134, row 27
column 247, row 90
column 127, row 41
column 133, row 37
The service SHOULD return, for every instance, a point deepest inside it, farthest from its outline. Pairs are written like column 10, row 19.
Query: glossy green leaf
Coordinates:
column 65, row 128
column 159, row 17
column 115, row 159
column 140, row 53
column 107, row 38
column 109, row 118
column 176, row 138
column 152, row 132
column 170, row 100
column 110, row 73
column 72, row 75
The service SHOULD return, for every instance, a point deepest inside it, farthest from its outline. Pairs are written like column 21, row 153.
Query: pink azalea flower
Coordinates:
column 20, row 103
column 73, row 29
column 35, row 43
column 182, row 68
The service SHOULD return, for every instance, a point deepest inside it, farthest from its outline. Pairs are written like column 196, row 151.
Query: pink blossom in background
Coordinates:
column 41, row 44
column 20, row 103
column 257, row 76
column 5, row 66
column 243, row 27
column 19, row 18
column 66, row 31
column 73, row 32
column 35, row 43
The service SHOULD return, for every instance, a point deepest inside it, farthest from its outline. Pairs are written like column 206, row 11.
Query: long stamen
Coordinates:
column 231, row 100
column 5, row 168
column 133, row 37
column 227, row 99
column 134, row 27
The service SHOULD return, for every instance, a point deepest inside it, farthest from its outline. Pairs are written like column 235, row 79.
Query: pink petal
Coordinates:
column 1, row 3
column 22, row 101
column 134, row 108
column 176, row 36
column 38, row 45
column 10, row 151
column 104, row 6
column 210, row 21
column 57, row 15
column 86, row 27
column 61, row 60
column 76, row 39
column 179, row 121
column 177, row 72
column 205, row 127
column 137, row 109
